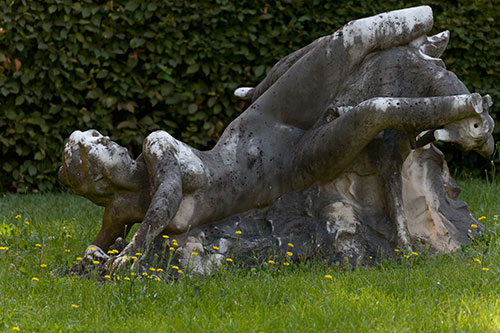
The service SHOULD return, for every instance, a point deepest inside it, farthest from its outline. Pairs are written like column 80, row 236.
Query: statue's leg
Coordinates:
column 306, row 88
column 327, row 150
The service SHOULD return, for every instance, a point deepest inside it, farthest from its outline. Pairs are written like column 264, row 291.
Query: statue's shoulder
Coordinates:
column 158, row 143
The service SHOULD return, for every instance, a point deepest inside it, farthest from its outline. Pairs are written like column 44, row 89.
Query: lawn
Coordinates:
column 41, row 235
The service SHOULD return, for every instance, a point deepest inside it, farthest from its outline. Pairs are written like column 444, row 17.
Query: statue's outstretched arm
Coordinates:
column 167, row 196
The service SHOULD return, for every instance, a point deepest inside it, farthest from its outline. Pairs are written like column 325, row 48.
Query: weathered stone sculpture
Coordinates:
column 333, row 156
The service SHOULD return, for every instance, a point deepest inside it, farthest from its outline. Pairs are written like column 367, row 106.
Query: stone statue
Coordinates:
column 336, row 144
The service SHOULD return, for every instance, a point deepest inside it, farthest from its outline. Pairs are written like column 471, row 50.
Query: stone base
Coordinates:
column 356, row 218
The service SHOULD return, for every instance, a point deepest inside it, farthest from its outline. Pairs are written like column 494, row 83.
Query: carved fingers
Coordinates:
column 119, row 263
column 94, row 253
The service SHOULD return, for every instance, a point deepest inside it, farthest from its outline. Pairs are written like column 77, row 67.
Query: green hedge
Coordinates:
column 127, row 68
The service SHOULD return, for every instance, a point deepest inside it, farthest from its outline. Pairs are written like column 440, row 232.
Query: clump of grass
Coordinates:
column 421, row 291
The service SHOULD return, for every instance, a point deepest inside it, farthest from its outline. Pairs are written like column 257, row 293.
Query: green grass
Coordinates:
column 427, row 292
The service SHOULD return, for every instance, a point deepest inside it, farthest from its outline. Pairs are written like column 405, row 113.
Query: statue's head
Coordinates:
column 94, row 166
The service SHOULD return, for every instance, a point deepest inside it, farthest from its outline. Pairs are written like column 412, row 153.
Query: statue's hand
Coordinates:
column 93, row 257
column 126, row 260
column 118, row 263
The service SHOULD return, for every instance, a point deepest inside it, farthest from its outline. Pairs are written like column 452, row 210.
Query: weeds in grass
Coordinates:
column 425, row 291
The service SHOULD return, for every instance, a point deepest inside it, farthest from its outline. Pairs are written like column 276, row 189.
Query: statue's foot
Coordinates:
column 474, row 133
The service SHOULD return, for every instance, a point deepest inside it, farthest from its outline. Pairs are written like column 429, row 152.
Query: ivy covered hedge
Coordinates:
column 127, row 68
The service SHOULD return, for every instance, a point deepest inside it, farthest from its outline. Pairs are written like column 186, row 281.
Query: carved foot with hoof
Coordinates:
column 473, row 133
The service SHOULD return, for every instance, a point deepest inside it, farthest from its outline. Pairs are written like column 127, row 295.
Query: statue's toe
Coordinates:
column 487, row 148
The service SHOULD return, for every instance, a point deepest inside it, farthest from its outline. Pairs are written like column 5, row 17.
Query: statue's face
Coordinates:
column 94, row 166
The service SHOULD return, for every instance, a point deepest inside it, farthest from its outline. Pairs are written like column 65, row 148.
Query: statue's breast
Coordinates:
column 192, row 167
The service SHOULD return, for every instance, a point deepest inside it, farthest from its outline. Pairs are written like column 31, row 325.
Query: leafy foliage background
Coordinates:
column 127, row 68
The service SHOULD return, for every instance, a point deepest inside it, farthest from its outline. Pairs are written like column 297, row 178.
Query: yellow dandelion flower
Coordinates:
column 118, row 278
column 43, row 265
column 95, row 262
column 138, row 254
column 15, row 328
column 27, row 222
column 159, row 270
column 286, row 264
column 171, row 249
column 216, row 248
column 126, row 258
column 68, row 235
column 328, row 276
column 38, row 245
column 157, row 279
column 126, row 278
column 485, row 269
column 35, row 279
column 371, row 257
column 152, row 269
column 229, row 260
column 107, row 276
column 180, row 271
column 67, row 250
column 288, row 253
column 116, row 251
column 165, row 236
column 175, row 267
column 144, row 274
column 4, row 248
column 406, row 256
column 477, row 260
column 194, row 253
column 271, row 262
column 397, row 250
column 415, row 253
column 92, row 248
column 133, row 257
column 79, row 258
column 481, row 218
column 473, row 225
column 74, row 306
column 290, row 244
column 110, row 252
column 132, row 273
column 238, row 232
column 18, row 216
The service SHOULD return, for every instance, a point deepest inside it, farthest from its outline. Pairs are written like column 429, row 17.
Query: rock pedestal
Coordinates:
column 352, row 218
